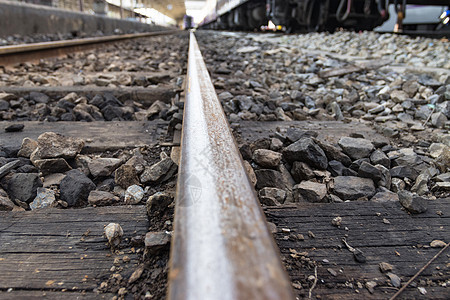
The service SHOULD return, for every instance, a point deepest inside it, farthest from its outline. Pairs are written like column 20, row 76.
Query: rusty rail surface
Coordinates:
column 221, row 247
column 28, row 52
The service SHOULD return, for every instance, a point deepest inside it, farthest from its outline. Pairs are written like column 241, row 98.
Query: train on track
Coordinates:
column 305, row 15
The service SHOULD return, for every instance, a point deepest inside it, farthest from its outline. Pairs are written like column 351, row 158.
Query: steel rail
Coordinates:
column 221, row 247
column 25, row 52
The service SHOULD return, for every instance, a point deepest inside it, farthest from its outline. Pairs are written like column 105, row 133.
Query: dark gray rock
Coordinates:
column 356, row 148
column 368, row 171
column 404, row 171
column 386, row 178
column 384, row 195
column 301, row 171
column 357, row 164
column 75, row 187
column 4, row 105
column 294, row 134
column 159, row 172
column 378, row 157
column 269, row 178
column 307, row 151
column 336, row 168
column 413, row 203
column 39, row 97
column 23, row 186
column 353, row 188
column 155, row 241
column 4, row 170
column 15, row 128
column 334, row 153
column 103, row 166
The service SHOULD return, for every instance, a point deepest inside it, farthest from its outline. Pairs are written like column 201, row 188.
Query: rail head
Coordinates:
column 221, row 247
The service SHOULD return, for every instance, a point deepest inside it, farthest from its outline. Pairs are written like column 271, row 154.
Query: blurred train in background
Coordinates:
column 322, row 15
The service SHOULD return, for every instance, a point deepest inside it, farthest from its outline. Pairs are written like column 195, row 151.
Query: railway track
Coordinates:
column 220, row 245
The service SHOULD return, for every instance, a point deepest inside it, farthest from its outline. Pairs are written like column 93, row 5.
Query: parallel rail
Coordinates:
column 30, row 52
column 221, row 247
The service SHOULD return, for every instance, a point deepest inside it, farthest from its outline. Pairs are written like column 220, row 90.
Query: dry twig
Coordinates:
column 315, row 282
column 417, row 274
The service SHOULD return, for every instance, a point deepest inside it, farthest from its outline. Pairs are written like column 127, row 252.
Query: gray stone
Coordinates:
column 159, row 172
column 445, row 177
column 438, row 119
column 404, row 171
column 54, row 145
column 353, row 188
column 410, row 87
column 39, row 97
column 134, row 194
column 421, row 185
column 27, row 148
column 378, row 157
column 301, row 171
column 125, row 176
column 4, row 105
column 336, row 168
column 271, row 196
column 75, row 187
column 386, row 179
column 158, row 203
column 44, row 198
column 269, row 178
column 398, row 96
column 368, row 171
column 294, row 134
column 275, row 144
column 395, row 280
column 443, row 160
column 266, row 158
column 334, row 153
column 385, row 196
column 397, row 185
column 310, row 191
column 436, row 149
column 5, row 203
column 377, row 109
column 4, row 170
column 356, row 148
column 413, row 203
column 23, row 186
column 155, row 241
column 102, row 198
column 52, row 165
column 307, row 151
column 103, row 166
column 14, row 128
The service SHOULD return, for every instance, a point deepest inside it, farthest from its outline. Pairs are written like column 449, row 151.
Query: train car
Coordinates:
column 188, row 22
column 305, row 15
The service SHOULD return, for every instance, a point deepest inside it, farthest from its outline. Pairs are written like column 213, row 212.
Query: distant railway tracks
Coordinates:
column 31, row 52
